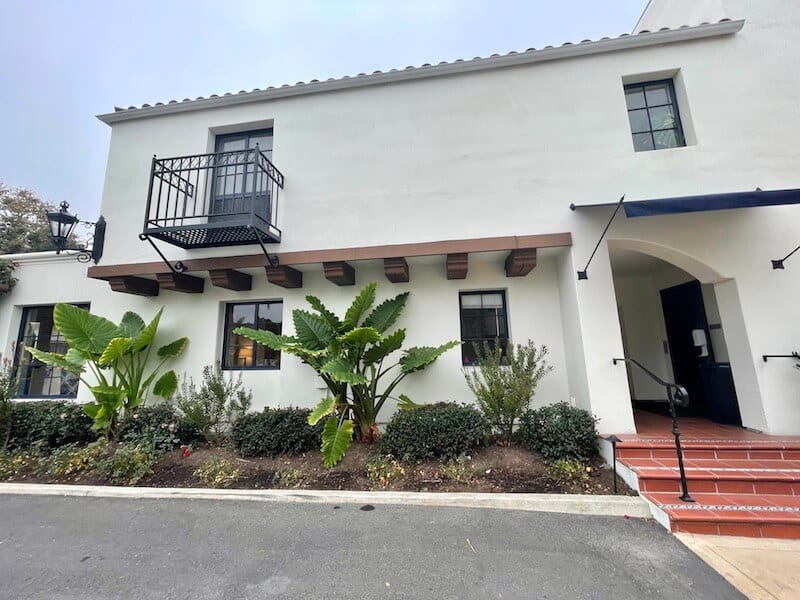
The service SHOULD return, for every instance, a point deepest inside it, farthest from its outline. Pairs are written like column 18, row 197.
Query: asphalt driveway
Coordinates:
column 93, row 548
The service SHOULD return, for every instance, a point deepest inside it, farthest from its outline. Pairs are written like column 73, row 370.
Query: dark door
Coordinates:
column 685, row 313
column 239, row 188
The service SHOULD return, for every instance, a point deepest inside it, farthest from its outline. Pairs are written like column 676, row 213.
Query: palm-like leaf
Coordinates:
column 131, row 325
column 330, row 318
column 336, row 438
column 269, row 339
column 323, row 409
column 361, row 336
column 83, row 330
column 343, row 371
column 385, row 347
column 147, row 334
column 115, row 350
column 362, row 303
column 406, row 403
column 386, row 313
column 417, row 358
column 312, row 331
column 173, row 349
column 57, row 360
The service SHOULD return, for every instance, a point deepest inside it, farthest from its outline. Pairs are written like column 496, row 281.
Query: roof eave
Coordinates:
column 625, row 42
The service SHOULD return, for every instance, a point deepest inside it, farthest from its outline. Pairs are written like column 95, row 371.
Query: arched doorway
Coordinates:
column 683, row 320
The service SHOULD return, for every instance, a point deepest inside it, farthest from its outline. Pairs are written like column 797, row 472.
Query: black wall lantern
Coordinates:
column 62, row 226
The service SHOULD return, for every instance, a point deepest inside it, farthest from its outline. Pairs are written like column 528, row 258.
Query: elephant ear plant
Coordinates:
column 349, row 355
column 117, row 356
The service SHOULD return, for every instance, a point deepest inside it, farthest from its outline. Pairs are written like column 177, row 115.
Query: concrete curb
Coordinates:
column 631, row 506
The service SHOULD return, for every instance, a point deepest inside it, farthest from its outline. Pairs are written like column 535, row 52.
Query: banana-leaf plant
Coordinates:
column 117, row 356
column 349, row 354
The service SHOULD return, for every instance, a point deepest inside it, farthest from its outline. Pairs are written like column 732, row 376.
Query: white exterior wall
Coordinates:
column 504, row 152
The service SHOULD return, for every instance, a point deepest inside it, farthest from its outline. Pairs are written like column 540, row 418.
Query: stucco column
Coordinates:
column 592, row 339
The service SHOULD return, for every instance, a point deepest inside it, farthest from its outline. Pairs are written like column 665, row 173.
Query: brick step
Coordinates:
column 727, row 484
column 776, row 516
column 709, row 451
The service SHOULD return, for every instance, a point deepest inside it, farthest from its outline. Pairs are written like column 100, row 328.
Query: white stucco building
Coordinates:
column 454, row 182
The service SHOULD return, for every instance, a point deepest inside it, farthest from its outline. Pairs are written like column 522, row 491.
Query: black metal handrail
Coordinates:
column 677, row 396
column 795, row 355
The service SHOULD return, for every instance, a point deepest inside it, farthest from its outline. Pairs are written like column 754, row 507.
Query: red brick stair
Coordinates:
column 744, row 483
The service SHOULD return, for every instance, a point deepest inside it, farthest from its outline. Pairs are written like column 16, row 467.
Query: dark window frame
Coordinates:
column 673, row 103
column 20, row 352
column 464, row 341
column 228, row 306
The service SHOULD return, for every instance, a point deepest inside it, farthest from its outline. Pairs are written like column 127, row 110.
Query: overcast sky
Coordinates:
column 62, row 62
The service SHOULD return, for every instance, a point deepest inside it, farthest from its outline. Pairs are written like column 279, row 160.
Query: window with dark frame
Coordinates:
column 484, row 319
column 234, row 178
column 238, row 352
column 36, row 379
column 653, row 115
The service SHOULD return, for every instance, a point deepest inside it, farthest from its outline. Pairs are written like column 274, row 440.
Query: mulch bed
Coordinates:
column 489, row 469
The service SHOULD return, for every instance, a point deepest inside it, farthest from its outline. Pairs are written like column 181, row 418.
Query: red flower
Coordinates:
column 186, row 454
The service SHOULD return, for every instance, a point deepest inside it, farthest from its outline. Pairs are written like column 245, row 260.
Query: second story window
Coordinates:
column 236, row 183
column 653, row 115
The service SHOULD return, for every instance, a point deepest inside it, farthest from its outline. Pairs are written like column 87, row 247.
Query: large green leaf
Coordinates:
column 343, row 371
column 336, row 440
column 131, row 325
column 312, row 331
column 77, row 357
column 145, row 338
column 361, row 336
column 83, row 330
column 406, row 403
column 323, row 409
column 115, row 350
column 386, row 313
column 385, row 347
column 362, row 303
column 267, row 338
column 417, row 358
column 57, row 360
column 173, row 349
column 330, row 318
column 166, row 385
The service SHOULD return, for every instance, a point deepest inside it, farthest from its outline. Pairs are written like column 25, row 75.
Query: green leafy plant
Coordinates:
column 7, row 279
column 217, row 472
column 117, row 356
column 288, row 477
column 441, row 430
column 560, row 431
column 383, row 469
column 567, row 471
column 20, row 462
column 49, row 424
column 458, row 469
column 9, row 385
column 129, row 464
column 71, row 459
column 504, row 382
column 159, row 426
column 348, row 354
column 275, row 431
column 218, row 403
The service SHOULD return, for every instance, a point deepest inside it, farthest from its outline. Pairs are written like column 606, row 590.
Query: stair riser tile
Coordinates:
column 708, row 486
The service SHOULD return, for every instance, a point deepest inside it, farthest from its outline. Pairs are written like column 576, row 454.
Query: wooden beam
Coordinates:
column 457, row 265
column 178, row 282
column 139, row 286
column 285, row 276
column 339, row 272
column 396, row 270
column 520, row 262
column 231, row 280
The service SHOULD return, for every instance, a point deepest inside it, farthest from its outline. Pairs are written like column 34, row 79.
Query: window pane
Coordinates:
column 471, row 301
column 471, row 326
column 639, row 121
column 657, row 94
column 634, row 98
column 666, row 139
column 642, row 141
column 228, row 145
column 662, row 117
column 483, row 321
column 264, row 142
column 492, row 300
column 239, row 349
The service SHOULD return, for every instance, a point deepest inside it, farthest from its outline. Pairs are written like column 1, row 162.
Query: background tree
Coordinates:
column 23, row 224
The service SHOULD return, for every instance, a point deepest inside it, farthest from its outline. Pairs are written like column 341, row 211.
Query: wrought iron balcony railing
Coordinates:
column 218, row 199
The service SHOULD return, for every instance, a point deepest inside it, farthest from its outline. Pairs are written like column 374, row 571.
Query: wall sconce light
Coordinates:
column 62, row 225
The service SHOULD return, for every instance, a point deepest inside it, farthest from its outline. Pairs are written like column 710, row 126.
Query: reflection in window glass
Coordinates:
column 653, row 116
column 242, row 353
column 483, row 320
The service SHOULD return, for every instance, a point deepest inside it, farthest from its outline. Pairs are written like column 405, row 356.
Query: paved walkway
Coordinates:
column 92, row 548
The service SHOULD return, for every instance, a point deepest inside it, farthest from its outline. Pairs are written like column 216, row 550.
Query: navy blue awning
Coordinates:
column 688, row 204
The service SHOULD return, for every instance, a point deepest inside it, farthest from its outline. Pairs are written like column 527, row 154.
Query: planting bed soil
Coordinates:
column 488, row 469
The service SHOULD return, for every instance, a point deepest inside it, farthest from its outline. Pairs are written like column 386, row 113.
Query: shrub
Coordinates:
column 7, row 279
column 217, row 472
column 504, row 385
column 129, row 464
column 49, row 424
column 560, row 431
column 160, row 426
column 288, row 477
column 8, row 391
column 275, row 431
column 458, row 470
column 71, row 460
column 382, row 469
column 441, row 430
column 567, row 471
column 218, row 403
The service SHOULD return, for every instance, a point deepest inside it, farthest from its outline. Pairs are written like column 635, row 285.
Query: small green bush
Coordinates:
column 443, row 430
column 288, row 477
column 49, row 424
column 382, row 469
column 159, row 426
column 217, row 472
column 72, row 460
column 567, row 471
column 129, row 464
column 560, row 431
column 275, row 431
column 17, row 463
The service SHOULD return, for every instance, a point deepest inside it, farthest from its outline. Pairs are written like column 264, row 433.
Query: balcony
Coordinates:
column 212, row 200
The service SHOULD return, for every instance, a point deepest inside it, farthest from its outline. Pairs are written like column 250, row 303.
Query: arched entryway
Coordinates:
column 682, row 319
